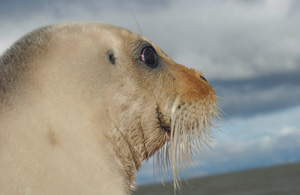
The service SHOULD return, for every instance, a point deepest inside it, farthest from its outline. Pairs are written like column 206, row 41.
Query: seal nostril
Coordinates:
column 202, row 77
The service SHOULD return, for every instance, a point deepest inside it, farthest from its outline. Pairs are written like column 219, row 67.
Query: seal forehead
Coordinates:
column 101, row 35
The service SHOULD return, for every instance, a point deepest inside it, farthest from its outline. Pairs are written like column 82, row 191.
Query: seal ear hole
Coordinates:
column 111, row 57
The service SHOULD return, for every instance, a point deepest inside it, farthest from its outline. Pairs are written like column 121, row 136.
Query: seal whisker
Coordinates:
column 190, row 132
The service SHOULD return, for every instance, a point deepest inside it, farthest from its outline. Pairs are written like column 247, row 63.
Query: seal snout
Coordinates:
column 192, row 85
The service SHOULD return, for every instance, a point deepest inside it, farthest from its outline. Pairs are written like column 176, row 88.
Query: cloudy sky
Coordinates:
column 249, row 50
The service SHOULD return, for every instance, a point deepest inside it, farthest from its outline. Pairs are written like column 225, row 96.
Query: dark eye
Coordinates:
column 149, row 57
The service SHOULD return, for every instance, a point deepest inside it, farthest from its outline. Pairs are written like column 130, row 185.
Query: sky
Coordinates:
column 249, row 50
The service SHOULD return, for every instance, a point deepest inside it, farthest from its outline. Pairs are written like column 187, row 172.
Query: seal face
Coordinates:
column 103, row 97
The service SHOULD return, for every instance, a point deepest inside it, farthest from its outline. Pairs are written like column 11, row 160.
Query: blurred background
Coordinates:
column 249, row 50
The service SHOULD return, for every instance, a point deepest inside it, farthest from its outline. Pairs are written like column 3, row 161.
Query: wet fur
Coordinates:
column 79, row 112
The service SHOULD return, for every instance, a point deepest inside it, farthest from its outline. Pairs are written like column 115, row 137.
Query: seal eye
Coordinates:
column 149, row 57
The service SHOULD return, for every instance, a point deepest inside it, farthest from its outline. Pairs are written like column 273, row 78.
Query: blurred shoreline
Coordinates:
column 282, row 179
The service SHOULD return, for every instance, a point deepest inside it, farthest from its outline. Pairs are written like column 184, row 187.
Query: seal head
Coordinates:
column 105, row 88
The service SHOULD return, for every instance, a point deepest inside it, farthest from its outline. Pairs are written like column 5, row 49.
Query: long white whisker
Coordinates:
column 190, row 133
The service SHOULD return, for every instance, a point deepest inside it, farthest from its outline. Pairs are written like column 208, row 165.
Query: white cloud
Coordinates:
column 287, row 130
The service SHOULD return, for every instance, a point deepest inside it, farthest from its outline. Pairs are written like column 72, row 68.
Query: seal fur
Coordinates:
column 80, row 111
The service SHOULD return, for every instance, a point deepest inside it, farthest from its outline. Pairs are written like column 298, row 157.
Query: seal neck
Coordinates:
column 130, row 151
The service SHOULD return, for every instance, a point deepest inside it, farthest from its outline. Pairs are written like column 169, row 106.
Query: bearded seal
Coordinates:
column 83, row 104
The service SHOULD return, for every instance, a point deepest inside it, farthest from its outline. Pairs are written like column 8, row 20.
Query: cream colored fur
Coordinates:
column 71, row 122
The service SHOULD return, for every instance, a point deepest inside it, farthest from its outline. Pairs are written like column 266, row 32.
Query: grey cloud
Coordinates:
column 247, row 97
column 26, row 8
column 294, row 8
column 242, row 52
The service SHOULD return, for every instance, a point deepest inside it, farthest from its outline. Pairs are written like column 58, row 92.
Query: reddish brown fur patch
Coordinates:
column 53, row 140
column 189, row 84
